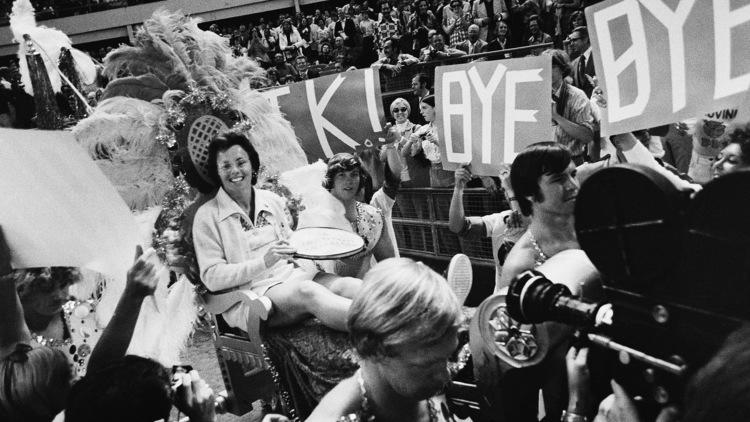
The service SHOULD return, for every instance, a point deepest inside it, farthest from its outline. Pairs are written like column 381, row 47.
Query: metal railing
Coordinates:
column 420, row 222
column 399, row 85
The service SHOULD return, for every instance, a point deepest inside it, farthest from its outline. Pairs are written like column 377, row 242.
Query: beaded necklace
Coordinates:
column 540, row 257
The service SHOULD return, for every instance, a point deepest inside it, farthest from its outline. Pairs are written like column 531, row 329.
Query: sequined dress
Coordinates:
column 81, row 334
column 369, row 226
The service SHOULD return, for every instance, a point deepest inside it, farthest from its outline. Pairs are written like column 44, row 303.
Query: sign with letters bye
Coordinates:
column 334, row 113
column 663, row 61
column 487, row 112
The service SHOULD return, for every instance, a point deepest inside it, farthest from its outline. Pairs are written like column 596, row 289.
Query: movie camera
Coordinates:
column 674, row 273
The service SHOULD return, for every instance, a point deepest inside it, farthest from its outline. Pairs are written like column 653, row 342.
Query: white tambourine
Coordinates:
column 325, row 243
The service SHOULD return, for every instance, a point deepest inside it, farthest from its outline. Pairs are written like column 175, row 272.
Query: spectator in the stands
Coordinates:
column 735, row 156
column 302, row 67
column 502, row 40
column 284, row 69
column 339, row 51
column 537, row 36
column 564, row 17
column 572, row 118
column 389, row 25
column 318, row 34
column 583, row 65
column 473, row 44
column 290, row 41
column 678, row 147
column 244, row 35
column 420, row 87
column 258, row 48
column 325, row 56
column 368, row 30
column 438, row 50
column 394, row 61
column 273, row 76
column 456, row 19
column 420, row 25
column 485, row 14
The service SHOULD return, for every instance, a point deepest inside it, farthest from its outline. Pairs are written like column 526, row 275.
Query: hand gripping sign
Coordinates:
column 663, row 61
column 487, row 112
column 335, row 113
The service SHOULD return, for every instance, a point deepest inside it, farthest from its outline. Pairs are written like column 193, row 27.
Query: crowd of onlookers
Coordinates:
column 398, row 33
column 51, row 9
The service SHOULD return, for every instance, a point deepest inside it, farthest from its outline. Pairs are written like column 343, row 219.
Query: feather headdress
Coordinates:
column 22, row 21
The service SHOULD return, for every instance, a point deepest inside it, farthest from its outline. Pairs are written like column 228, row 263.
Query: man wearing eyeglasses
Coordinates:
column 393, row 60
column 583, row 65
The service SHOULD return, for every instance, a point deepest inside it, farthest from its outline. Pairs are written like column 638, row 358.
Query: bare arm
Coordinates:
column 341, row 401
column 384, row 248
column 520, row 259
column 457, row 219
column 141, row 282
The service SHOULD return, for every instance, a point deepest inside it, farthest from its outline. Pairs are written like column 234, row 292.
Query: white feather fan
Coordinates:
column 50, row 40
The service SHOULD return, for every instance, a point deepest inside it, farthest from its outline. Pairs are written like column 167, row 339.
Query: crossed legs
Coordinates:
column 328, row 298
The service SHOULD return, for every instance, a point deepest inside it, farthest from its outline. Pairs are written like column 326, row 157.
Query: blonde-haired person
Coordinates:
column 404, row 128
column 403, row 325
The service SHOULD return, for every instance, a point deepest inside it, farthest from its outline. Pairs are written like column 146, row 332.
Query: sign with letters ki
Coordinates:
column 335, row 113
column 487, row 112
column 663, row 61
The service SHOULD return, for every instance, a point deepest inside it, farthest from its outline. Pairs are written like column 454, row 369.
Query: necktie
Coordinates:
column 582, row 71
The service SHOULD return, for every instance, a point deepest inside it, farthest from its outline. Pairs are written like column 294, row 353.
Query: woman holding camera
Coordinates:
column 425, row 140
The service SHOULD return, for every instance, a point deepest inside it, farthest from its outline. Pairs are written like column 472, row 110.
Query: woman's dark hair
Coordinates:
column 131, row 389
column 223, row 142
column 741, row 137
column 43, row 280
column 429, row 100
column 340, row 163
column 531, row 164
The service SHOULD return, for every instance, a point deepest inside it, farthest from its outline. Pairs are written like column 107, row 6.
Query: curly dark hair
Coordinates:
column 44, row 279
column 340, row 163
column 741, row 137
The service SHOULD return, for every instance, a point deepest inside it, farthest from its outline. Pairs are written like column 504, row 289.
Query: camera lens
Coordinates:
column 532, row 298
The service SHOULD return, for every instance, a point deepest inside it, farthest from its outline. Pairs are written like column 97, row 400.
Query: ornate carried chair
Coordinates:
column 288, row 368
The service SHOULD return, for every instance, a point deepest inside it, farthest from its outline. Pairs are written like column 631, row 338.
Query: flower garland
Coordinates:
column 176, row 111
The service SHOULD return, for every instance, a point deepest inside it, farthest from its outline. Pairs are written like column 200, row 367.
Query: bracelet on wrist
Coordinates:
column 572, row 417
column 512, row 198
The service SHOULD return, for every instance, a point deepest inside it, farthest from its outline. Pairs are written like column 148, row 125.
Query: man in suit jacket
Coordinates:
column 583, row 65
column 474, row 44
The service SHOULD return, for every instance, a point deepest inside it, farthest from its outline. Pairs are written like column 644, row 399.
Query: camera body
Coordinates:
column 675, row 274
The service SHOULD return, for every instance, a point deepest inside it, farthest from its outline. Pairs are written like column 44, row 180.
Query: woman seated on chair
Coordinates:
column 240, row 242
column 345, row 180
column 403, row 325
